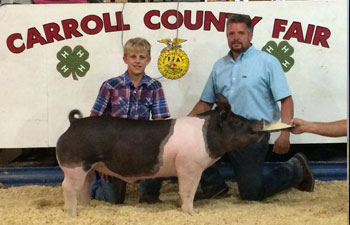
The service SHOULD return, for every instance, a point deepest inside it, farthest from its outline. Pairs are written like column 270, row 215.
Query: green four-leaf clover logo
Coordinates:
column 282, row 52
column 73, row 62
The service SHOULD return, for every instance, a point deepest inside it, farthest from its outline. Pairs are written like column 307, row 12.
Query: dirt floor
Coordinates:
column 327, row 205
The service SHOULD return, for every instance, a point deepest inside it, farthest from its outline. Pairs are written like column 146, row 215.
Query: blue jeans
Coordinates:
column 113, row 190
column 253, row 183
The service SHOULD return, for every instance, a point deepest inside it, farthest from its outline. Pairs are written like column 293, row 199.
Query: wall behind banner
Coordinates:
column 38, row 86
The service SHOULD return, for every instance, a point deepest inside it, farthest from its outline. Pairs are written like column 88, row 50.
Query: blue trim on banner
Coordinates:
column 50, row 176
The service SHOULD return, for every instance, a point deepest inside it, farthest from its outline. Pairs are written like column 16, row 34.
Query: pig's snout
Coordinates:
column 259, row 126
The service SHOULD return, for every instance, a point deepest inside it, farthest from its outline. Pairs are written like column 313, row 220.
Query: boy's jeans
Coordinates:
column 113, row 190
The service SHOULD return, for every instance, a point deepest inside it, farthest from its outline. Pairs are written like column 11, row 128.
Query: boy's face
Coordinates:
column 137, row 62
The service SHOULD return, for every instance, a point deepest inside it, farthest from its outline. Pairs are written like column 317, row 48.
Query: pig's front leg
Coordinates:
column 189, row 177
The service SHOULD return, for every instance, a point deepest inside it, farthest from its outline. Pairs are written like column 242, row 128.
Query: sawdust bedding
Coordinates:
column 43, row 205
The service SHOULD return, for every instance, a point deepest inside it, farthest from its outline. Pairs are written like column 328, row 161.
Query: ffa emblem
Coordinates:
column 173, row 63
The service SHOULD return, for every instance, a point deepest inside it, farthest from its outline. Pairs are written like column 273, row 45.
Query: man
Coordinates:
column 253, row 82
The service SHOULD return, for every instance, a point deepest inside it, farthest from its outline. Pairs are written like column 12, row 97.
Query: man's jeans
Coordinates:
column 113, row 190
column 253, row 184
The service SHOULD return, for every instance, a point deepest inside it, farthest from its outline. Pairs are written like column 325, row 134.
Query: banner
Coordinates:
column 53, row 58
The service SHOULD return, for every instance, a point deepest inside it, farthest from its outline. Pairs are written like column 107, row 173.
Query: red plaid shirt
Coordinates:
column 119, row 98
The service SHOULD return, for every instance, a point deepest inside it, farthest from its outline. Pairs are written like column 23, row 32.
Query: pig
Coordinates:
column 132, row 150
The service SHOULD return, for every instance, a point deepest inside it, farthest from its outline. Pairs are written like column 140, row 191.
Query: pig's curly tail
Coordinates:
column 74, row 115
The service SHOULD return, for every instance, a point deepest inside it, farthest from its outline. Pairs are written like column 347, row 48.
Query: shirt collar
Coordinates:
column 145, row 80
column 244, row 54
column 249, row 51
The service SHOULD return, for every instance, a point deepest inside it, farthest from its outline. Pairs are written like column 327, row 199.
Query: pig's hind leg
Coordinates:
column 73, row 184
column 189, row 178
column 84, row 198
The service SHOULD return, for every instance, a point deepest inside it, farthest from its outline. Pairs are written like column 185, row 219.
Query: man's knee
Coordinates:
column 251, row 193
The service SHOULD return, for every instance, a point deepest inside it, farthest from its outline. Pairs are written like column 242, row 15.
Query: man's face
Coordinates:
column 238, row 37
column 137, row 62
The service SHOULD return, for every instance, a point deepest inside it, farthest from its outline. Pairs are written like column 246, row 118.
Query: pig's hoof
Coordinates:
column 85, row 202
column 188, row 210
column 178, row 202
column 71, row 212
column 191, row 212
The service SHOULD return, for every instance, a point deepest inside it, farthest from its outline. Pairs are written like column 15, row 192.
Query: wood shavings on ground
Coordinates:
column 327, row 205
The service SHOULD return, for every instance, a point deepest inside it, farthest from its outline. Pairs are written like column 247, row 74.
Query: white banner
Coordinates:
column 53, row 58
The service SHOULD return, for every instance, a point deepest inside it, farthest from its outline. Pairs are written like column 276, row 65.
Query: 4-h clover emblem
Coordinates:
column 73, row 62
column 282, row 52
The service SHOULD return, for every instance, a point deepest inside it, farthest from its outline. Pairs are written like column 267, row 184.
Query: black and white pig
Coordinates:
column 132, row 150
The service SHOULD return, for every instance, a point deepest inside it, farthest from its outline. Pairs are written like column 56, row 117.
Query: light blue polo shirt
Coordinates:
column 253, row 84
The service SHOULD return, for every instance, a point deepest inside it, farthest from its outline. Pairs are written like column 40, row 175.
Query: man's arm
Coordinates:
column 330, row 129
column 200, row 107
column 282, row 143
column 287, row 111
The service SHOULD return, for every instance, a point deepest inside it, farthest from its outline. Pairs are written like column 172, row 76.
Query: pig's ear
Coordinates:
column 223, row 106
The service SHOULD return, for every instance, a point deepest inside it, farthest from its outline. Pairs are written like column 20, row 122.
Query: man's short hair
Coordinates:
column 240, row 18
column 137, row 45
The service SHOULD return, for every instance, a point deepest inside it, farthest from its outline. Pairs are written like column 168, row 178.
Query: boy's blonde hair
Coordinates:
column 137, row 45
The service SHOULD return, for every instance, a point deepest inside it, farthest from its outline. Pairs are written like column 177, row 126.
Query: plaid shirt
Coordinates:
column 119, row 98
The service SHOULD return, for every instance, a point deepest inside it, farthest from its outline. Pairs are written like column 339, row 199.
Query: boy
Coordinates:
column 132, row 95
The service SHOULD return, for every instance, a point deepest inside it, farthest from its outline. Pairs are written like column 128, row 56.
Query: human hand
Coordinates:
column 299, row 126
column 282, row 144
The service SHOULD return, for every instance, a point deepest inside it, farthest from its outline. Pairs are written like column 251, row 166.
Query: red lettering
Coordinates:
column 98, row 24
column 120, row 22
column 147, row 20
column 321, row 36
column 51, row 32
column 279, row 26
column 203, row 19
column 199, row 20
column 91, row 24
column 255, row 20
column 295, row 31
column 176, row 24
column 309, row 33
column 211, row 19
column 107, row 22
column 70, row 28
column 11, row 43
column 34, row 37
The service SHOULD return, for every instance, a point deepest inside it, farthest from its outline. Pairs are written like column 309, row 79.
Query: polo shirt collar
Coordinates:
column 248, row 52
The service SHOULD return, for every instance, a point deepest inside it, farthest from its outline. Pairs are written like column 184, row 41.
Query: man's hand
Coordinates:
column 282, row 144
